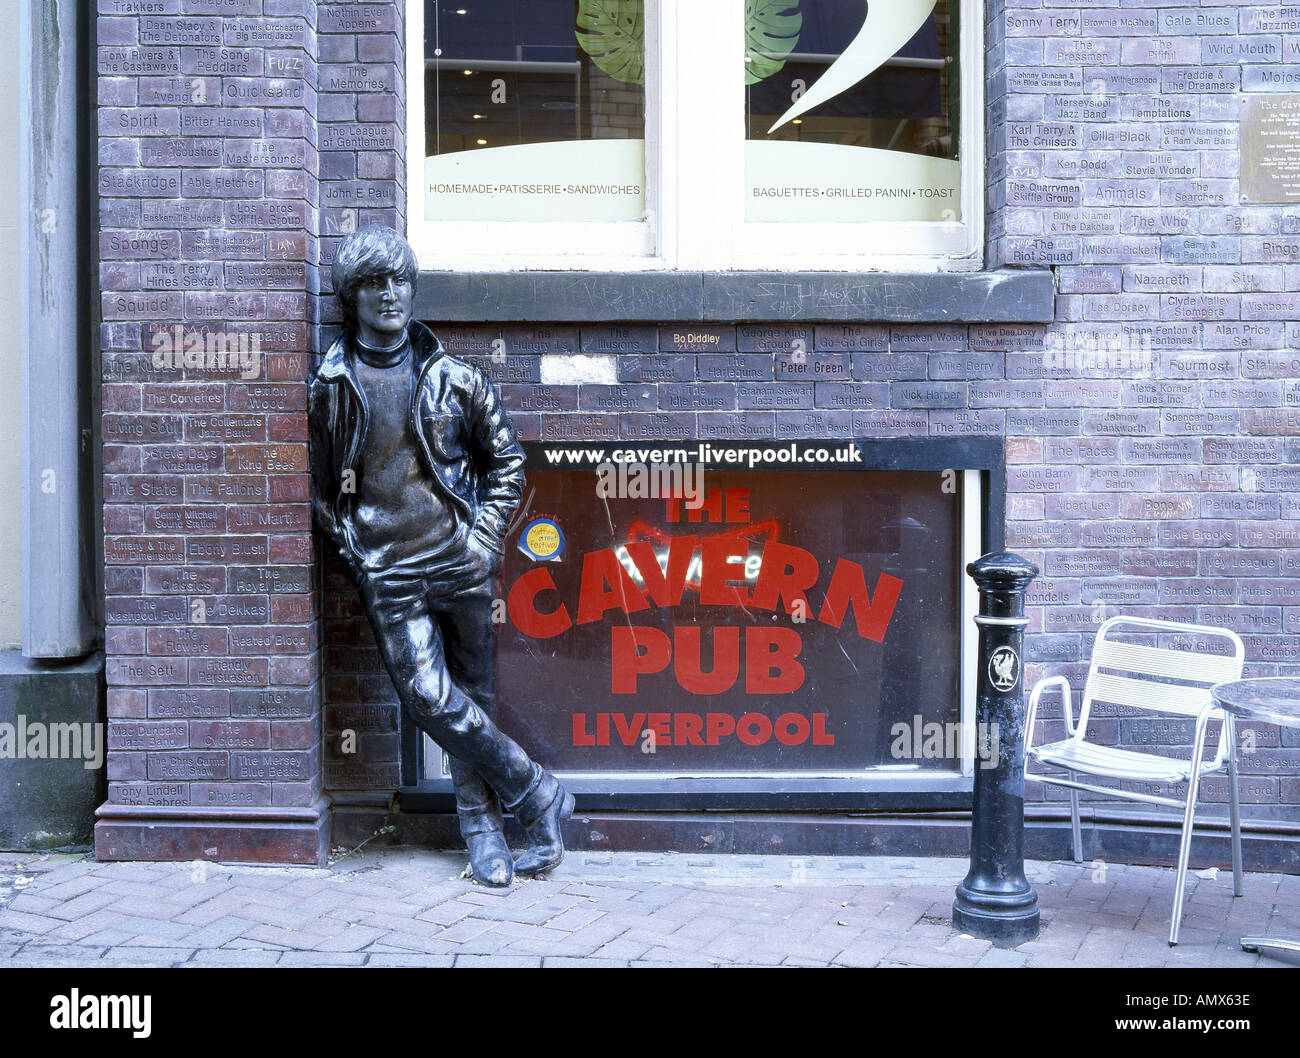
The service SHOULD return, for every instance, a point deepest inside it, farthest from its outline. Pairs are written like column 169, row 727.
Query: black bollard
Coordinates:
column 996, row 901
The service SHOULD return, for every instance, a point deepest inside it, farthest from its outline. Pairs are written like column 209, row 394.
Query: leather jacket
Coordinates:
column 467, row 442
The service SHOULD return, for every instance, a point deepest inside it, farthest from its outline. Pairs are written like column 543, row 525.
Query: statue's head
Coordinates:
column 374, row 273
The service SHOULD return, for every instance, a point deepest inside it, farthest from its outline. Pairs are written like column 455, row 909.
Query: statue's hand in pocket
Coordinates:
column 481, row 558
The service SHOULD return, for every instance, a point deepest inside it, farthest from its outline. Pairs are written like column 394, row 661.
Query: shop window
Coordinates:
column 534, row 111
column 655, row 651
column 680, row 134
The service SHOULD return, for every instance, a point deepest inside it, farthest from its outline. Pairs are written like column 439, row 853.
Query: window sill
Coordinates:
column 1002, row 296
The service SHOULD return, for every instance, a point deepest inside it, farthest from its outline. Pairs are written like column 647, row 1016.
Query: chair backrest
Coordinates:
column 1160, row 679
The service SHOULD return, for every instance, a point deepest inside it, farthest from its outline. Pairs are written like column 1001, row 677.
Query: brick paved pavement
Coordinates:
column 409, row 907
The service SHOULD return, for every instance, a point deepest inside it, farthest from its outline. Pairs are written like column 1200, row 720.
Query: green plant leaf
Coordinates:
column 771, row 32
column 612, row 32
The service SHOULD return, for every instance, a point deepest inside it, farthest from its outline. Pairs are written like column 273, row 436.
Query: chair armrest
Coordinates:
column 1032, row 712
column 1224, row 746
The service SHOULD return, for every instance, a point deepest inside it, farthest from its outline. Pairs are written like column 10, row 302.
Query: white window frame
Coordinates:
column 695, row 157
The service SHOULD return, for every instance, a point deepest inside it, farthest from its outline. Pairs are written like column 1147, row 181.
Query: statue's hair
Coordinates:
column 366, row 253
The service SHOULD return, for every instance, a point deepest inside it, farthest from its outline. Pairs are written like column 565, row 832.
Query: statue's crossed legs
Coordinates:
column 436, row 640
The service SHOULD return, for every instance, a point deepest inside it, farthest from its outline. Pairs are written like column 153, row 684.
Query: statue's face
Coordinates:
column 384, row 305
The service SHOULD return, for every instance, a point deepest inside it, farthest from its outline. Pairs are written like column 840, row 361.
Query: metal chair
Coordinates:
column 1152, row 679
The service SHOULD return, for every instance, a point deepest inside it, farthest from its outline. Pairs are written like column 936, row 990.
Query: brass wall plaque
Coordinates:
column 1270, row 148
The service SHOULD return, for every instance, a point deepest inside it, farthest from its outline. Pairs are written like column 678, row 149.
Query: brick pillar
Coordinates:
column 362, row 113
column 208, row 221
column 995, row 133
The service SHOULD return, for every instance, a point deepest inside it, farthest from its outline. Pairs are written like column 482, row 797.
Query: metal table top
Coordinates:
column 1273, row 699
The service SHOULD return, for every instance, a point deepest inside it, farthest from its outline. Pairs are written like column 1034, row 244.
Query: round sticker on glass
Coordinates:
column 542, row 540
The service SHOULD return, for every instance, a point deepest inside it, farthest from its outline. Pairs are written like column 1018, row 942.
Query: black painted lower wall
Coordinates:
column 48, row 801
column 1108, row 839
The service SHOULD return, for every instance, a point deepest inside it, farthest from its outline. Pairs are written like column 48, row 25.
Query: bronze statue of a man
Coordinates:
column 416, row 473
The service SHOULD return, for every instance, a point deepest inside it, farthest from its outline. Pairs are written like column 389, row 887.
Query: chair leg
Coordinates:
column 1185, row 845
column 1184, row 848
column 1074, row 822
column 1234, row 802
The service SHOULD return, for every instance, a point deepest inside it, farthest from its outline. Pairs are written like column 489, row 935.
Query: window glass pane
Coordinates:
column 851, row 110
column 853, row 689
column 534, row 110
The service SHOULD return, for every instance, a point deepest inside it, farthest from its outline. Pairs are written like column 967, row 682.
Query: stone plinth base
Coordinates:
column 290, row 836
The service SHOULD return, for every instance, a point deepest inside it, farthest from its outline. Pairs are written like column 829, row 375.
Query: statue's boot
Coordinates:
column 540, row 812
column 468, row 734
column 540, row 804
column 481, row 826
